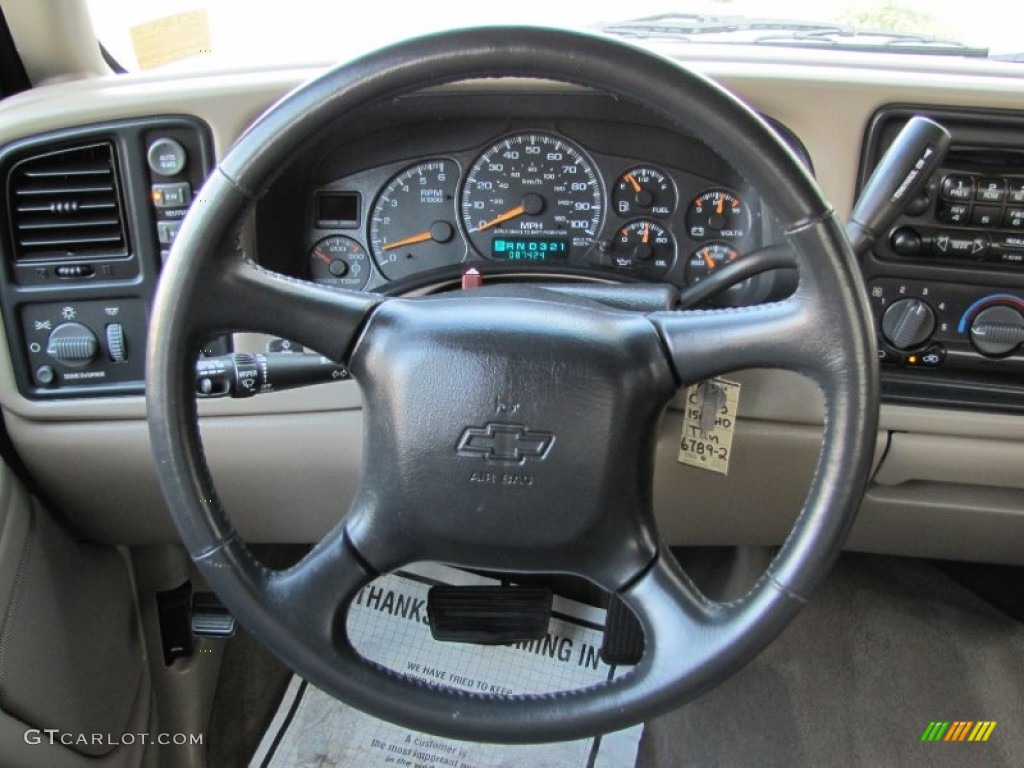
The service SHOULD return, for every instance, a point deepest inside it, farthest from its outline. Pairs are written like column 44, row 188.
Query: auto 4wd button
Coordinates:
column 955, row 247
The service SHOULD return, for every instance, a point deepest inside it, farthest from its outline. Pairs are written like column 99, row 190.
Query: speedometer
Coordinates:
column 532, row 197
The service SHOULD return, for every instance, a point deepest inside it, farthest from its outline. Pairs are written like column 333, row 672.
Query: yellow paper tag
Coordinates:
column 709, row 421
column 171, row 38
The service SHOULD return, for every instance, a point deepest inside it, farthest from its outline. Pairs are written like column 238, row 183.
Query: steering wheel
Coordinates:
column 591, row 383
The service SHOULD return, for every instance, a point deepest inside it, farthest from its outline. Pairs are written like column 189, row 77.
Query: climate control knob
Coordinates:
column 908, row 323
column 73, row 345
column 997, row 330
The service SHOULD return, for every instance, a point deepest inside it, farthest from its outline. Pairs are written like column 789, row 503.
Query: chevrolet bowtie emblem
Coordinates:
column 509, row 443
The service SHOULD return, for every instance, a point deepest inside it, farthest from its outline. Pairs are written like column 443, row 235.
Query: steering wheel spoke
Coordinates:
column 313, row 593
column 320, row 317
column 705, row 343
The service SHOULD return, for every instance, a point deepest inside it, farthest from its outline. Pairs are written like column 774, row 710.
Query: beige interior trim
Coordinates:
column 55, row 39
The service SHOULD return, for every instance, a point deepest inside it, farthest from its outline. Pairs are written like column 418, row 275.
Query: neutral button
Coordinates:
column 166, row 157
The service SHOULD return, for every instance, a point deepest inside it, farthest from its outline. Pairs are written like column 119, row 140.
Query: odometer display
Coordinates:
column 529, row 249
column 535, row 187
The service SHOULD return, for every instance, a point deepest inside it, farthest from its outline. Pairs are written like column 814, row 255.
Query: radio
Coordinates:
column 946, row 281
column 963, row 218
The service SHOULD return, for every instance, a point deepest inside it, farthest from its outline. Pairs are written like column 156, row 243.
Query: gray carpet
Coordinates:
column 886, row 646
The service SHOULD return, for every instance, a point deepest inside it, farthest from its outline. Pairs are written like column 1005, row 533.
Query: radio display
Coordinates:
column 530, row 248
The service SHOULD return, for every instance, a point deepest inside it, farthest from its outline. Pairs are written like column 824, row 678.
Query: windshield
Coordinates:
column 147, row 34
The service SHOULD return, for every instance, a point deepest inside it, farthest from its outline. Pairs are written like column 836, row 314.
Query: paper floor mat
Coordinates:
column 388, row 624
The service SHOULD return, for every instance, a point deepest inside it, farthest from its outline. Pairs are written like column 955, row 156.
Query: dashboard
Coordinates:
column 566, row 187
column 541, row 182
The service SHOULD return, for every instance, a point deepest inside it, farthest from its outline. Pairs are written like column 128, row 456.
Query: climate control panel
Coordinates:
column 948, row 325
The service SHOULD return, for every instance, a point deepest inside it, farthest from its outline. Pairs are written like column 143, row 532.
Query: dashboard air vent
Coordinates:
column 66, row 204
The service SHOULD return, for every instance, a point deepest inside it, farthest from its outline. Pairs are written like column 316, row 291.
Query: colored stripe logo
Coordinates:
column 959, row 730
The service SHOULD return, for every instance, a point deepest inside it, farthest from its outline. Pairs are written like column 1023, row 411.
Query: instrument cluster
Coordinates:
column 534, row 199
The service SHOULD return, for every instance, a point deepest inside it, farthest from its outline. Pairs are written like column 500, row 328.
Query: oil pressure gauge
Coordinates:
column 645, row 248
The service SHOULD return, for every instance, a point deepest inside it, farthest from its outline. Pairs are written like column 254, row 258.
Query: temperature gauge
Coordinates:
column 707, row 259
column 644, row 247
column 341, row 262
column 644, row 191
column 717, row 213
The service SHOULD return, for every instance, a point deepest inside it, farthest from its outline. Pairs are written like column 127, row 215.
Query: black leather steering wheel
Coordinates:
column 591, row 380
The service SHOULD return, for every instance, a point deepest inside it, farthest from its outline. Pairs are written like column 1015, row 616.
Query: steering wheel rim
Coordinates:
column 822, row 331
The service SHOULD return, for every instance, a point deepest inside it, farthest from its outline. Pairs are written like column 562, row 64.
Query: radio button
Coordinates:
column 906, row 242
column 955, row 214
column 1014, row 218
column 955, row 246
column 1015, row 191
column 958, row 187
column 985, row 216
column 1010, row 258
column 990, row 190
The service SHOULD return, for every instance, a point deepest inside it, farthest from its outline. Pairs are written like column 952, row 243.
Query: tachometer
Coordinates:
column 412, row 227
column 532, row 186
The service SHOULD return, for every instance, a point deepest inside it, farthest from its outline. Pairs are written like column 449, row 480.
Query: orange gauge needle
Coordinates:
column 634, row 182
column 421, row 237
column 322, row 256
column 707, row 258
column 647, row 232
column 517, row 211
column 721, row 204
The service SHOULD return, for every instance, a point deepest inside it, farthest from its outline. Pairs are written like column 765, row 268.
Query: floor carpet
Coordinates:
column 886, row 646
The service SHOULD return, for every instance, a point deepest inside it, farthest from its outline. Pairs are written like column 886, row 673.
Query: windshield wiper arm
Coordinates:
column 873, row 41
column 683, row 27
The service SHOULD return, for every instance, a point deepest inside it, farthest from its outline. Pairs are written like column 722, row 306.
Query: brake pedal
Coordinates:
column 209, row 616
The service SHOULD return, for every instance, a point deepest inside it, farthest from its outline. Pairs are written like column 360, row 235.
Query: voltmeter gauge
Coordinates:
column 341, row 262
column 644, row 191
column 645, row 248
column 718, row 213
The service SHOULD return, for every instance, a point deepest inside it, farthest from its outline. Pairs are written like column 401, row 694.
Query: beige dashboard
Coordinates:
column 948, row 483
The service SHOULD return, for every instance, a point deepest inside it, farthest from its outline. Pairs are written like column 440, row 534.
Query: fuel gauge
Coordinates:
column 644, row 191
